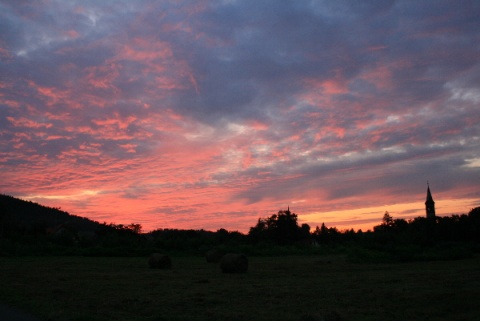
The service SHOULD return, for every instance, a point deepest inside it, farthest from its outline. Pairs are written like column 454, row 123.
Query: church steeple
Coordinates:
column 429, row 204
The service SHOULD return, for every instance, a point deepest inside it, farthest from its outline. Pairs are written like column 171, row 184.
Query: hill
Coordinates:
column 28, row 228
column 19, row 216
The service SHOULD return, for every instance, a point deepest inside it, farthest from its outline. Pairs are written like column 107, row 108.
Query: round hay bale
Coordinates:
column 214, row 256
column 234, row 263
column 159, row 261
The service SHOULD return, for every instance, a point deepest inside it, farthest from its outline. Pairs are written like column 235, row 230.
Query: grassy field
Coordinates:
column 304, row 288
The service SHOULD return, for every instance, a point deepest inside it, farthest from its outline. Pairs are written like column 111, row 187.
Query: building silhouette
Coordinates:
column 429, row 204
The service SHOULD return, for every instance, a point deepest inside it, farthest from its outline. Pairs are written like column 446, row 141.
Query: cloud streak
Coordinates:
column 198, row 114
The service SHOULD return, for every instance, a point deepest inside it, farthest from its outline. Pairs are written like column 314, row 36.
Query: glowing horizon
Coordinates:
column 359, row 218
column 211, row 114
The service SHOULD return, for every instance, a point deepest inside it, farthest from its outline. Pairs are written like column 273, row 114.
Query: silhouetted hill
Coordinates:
column 28, row 228
column 17, row 215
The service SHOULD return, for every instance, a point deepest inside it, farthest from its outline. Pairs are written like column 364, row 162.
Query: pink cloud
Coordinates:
column 131, row 148
column 376, row 48
column 380, row 76
column 328, row 86
column 72, row 34
column 10, row 103
column 144, row 50
column 158, row 60
column 27, row 123
column 4, row 53
column 103, row 77
column 117, row 121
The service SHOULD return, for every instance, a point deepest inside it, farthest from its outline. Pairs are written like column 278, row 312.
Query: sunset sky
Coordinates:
column 211, row 114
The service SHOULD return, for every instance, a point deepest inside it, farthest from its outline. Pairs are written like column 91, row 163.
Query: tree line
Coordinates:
column 28, row 228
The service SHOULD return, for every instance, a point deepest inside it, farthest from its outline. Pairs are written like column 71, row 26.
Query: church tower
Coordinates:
column 430, row 204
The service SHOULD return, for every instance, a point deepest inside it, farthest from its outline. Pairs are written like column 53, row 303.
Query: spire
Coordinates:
column 429, row 194
column 429, row 204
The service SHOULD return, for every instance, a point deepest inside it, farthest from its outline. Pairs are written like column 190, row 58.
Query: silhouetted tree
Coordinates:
column 281, row 228
column 474, row 213
column 387, row 219
column 258, row 232
column 474, row 223
column 387, row 223
column 324, row 235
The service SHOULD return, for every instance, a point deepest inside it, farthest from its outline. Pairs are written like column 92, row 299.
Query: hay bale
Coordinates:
column 234, row 263
column 159, row 261
column 214, row 256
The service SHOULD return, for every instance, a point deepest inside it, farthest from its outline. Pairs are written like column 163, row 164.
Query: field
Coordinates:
column 300, row 288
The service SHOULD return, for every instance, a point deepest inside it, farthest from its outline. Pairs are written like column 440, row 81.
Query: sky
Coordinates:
column 212, row 114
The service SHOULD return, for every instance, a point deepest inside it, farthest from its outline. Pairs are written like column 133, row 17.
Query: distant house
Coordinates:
column 430, row 204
